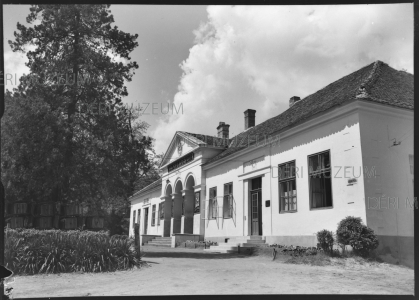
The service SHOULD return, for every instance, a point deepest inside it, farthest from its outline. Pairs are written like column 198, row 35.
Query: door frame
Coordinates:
column 259, row 192
column 145, row 220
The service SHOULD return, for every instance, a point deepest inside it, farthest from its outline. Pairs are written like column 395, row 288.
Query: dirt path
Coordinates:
column 184, row 271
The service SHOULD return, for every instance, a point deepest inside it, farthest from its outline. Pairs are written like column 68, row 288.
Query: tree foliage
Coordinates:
column 53, row 149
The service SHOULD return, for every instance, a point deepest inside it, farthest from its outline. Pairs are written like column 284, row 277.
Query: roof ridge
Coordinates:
column 363, row 90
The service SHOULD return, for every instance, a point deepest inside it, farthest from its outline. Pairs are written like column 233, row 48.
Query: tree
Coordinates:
column 95, row 155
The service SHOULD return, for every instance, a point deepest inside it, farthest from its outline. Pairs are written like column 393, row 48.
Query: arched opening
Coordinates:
column 189, row 205
column 177, row 207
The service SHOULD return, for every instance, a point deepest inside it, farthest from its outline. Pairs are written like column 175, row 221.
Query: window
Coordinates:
column 133, row 218
column 212, row 211
column 153, row 215
column 320, row 181
column 161, row 210
column 287, row 187
column 197, row 202
column 411, row 163
column 228, row 200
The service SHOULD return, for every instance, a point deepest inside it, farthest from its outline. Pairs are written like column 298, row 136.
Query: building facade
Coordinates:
column 346, row 150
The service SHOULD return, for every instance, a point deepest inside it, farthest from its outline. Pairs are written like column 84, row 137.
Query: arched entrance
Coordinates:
column 189, row 204
column 177, row 207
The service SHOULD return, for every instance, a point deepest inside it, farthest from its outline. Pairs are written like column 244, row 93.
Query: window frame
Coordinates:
column 290, row 176
column 153, row 215
column 229, row 201
column 211, row 206
column 195, row 211
column 316, row 174
column 161, row 211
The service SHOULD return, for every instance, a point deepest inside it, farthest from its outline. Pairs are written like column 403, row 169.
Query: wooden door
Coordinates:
column 255, row 201
column 145, row 220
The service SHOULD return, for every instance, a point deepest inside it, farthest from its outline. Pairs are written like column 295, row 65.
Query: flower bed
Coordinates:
column 198, row 244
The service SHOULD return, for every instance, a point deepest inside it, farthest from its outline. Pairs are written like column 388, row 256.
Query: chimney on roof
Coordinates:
column 294, row 100
column 249, row 118
column 223, row 130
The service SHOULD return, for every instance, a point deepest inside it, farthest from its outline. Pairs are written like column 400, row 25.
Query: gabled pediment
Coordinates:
column 180, row 145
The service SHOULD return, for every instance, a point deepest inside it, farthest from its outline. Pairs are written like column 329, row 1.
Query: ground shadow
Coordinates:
column 196, row 255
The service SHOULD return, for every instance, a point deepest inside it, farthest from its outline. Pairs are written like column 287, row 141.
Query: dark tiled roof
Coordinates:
column 376, row 82
column 149, row 187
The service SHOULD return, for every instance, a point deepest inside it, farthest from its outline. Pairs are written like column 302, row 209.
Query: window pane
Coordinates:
column 292, row 169
column 197, row 202
column 313, row 163
column 325, row 160
column 317, row 192
column 226, row 189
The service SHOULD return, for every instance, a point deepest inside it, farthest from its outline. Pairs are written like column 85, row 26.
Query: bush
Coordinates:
column 30, row 251
column 326, row 240
column 351, row 231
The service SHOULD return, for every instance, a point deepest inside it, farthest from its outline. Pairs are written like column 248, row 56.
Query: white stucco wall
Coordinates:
column 138, row 204
column 336, row 131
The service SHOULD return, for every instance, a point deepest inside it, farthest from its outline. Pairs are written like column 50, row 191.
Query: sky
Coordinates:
column 211, row 63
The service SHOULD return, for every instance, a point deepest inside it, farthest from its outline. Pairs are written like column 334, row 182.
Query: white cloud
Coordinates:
column 258, row 57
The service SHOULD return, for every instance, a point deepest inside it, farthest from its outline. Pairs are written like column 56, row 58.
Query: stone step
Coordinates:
column 256, row 241
column 255, row 237
column 251, row 245
column 161, row 241
column 163, row 238
column 158, row 245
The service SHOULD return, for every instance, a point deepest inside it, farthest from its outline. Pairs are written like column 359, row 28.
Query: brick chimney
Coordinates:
column 294, row 100
column 249, row 118
column 223, row 130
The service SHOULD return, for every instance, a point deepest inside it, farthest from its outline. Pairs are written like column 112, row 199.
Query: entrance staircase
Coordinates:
column 160, row 242
column 236, row 244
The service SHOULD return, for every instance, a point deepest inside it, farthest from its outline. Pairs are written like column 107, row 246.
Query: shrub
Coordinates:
column 326, row 240
column 30, row 251
column 351, row 231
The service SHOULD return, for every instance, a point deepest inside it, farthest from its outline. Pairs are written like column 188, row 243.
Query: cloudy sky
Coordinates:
column 217, row 61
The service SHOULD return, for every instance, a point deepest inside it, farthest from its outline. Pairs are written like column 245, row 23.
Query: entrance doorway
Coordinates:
column 256, row 206
column 145, row 220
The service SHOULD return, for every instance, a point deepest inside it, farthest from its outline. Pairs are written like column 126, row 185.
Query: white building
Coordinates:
column 350, row 149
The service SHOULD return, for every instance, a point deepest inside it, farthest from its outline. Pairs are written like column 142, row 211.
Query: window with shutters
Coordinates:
column 212, row 207
column 320, row 180
column 287, row 187
column 228, row 200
